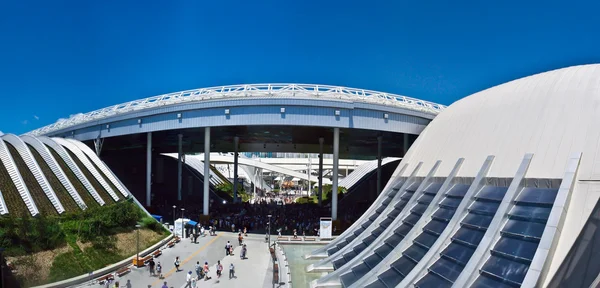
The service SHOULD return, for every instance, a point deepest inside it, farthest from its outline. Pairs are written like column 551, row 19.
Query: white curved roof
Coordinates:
column 551, row 114
column 244, row 91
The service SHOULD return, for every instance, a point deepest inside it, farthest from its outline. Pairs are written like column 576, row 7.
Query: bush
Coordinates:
column 307, row 200
column 152, row 224
column 227, row 188
column 27, row 235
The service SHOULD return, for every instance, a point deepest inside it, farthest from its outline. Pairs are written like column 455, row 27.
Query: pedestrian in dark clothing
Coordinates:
column 151, row 264
column 231, row 271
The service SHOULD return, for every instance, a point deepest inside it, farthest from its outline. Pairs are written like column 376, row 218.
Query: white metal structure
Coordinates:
column 58, row 172
column 3, row 208
column 86, row 162
column 226, row 159
column 35, row 169
column 196, row 163
column 243, row 91
column 60, row 150
column 363, row 170
column 535, row 143
column 16, row 178
column 552, row 115
column 105, row 170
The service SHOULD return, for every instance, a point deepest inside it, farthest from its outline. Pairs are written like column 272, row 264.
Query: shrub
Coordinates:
column 151, row 223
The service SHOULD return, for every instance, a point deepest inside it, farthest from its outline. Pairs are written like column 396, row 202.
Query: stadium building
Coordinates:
column 500, row 190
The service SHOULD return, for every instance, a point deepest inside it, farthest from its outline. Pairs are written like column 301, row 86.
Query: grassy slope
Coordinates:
column 63, row 196
column 80, row 249
column 101, row 191
column 112, row 186
column 15, row 203
column 83, row 192
column 35, row 190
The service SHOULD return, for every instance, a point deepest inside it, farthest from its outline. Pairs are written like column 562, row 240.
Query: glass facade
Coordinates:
column 383, row 205
column 455, row 256
column 513, row 252
column 392, row 241
column 349, row 255
column 400, row 268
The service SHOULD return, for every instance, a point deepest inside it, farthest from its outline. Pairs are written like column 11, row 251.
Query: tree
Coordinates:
column 227, row 188
column 327, row 192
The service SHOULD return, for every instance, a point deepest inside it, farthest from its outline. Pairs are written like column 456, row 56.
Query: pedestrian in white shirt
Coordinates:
column 188, row 280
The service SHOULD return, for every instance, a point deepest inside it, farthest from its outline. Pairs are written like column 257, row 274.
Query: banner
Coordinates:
column 325, row 231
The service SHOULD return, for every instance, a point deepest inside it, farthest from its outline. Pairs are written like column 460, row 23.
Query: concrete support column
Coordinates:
column 236, row 141
column 309, row 176
column 320, row 170
column 379, row 138
column 334, row 182
column 255, row 182
column 206, row 184
column 179, row 155
column 149, row 169
column 406, row 144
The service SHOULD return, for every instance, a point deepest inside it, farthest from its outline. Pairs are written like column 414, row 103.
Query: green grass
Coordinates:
column 101, row 191
column 61, row 192
column 112, row 186
column 85, row 195
column 14, row 202
column 26, row 235
column 35, row 190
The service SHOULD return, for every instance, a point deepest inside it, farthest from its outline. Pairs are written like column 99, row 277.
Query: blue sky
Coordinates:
column 59, row 58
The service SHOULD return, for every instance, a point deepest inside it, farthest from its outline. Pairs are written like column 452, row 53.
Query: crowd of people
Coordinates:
column 285, row 217
column 255, row 218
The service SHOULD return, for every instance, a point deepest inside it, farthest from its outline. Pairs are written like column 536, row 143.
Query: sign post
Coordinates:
column 325, row 228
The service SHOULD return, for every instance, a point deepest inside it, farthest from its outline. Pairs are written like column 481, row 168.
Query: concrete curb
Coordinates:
column 106, row 270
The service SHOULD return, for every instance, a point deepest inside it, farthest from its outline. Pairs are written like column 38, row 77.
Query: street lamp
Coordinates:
column 182, row 209
column 137, row 260
column 269, row 216
column 174, row 215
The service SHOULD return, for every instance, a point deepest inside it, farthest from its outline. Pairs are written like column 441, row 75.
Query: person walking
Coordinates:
column 198, row 269
column 159, row 270
column 165, row 285
column 227, row 247
column 176, row 263
column 240, row 238
column 206, row 270
column 188, row 280
column 243, row 253
column 219, row 269
column 151, row 265
column 231, row 271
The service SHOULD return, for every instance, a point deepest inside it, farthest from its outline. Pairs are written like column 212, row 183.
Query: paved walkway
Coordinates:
column 250, row 273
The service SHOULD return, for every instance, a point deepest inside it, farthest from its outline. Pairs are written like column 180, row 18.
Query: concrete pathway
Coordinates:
column 253, row 272
column 250, row 273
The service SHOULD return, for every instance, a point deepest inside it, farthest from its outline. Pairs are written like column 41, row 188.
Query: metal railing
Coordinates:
column 285, row 155
column 244, row 91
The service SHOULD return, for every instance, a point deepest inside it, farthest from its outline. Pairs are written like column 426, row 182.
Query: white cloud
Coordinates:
column 36, row 117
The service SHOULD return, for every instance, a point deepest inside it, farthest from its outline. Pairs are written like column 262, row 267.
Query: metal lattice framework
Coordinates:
column 243, row 91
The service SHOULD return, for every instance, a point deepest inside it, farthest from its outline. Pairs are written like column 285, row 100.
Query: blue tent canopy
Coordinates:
column 157, row 217
column 192, row 222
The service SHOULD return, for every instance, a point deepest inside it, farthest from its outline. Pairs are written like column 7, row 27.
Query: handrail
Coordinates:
column 244, row 91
